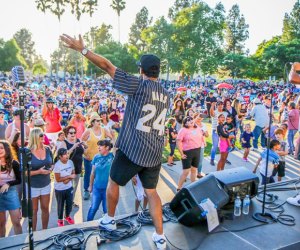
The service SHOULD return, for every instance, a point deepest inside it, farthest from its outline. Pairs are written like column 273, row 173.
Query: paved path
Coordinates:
column 166, row 187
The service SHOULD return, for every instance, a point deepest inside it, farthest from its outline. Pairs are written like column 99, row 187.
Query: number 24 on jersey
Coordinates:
column 159, row 122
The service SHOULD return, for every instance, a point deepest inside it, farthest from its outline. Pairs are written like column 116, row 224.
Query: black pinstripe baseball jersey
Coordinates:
column 142, row 134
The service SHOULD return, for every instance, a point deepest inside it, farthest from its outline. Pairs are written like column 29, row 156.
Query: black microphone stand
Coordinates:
column 263, row 216
column 25, row 161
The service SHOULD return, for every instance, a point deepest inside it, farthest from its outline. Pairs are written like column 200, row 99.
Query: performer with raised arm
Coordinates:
column 141, row 139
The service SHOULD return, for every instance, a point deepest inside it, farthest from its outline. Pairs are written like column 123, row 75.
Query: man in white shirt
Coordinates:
column 261, row 117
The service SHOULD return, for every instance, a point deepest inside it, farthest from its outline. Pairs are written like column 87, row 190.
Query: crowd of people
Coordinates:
column 71, row 127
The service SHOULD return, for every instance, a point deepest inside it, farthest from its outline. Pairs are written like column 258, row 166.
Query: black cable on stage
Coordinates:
column 77, row 238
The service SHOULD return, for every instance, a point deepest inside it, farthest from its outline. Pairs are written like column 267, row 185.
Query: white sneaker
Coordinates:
column 159, row 241
column 294, row 200
column 107, row 224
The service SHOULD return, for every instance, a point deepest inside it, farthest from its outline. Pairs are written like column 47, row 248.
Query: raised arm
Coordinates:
column 98, row 60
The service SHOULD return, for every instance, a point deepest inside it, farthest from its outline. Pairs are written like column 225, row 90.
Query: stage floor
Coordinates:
column 271, row 236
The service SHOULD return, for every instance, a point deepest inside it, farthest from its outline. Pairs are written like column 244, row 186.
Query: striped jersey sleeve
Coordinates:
column 124, row 82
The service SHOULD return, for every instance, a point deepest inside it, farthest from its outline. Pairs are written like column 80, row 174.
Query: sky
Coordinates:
column 263, row 16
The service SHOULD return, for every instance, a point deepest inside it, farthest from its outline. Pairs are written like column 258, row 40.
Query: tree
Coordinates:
column 142, row 21
column 198, row 37
column 237, row 65
column 159, row 41
column 10, row 55
column 98, row 35
column 179, row 5
column 117, row 54
column 24, row 40
column 236, row 31
column 291, row 24
column 118, row 6
column 39, row 69
column 58, row 7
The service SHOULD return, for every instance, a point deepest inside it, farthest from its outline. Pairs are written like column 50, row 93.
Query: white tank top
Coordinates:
column 214, row 122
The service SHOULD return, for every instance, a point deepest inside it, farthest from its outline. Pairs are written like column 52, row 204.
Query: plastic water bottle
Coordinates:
column 237, row 206
column 246, row 205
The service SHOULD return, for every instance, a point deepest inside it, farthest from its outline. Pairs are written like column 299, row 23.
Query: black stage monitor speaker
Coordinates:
column 238, row 182
column 186, row 204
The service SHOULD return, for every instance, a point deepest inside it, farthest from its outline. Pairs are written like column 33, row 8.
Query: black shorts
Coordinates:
column 280, row 170
column 122, row 170
column 192, row 158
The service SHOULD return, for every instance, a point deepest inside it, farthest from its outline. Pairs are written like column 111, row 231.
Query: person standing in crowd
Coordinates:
column 209, row 100
column 246, row 141
column 78, row 121
column 214, row 113
column 99, row 177
column 223, row 142
column 41, row 167
column 293, row 125
column 3, row 125
column 115, row 116
column 65, row 114
column 52, row 117
column 261, row 117
column 273, row 162
column 171, row 125
column 140, row 142
column 10, row 176
column 107, row 124
column 15, row 146
column 189, row 142
column 198, row 121
column 39, row 123
column 230, row 129
column 64, row 174
column 282, row 152
column 15, row 127
column 75, row 150
column 91, row 136
column 230, row 110
column 178, row 113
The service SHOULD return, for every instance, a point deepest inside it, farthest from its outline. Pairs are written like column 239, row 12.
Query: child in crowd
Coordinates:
column 64, row 174
column 60, row 141
column 273, row 162
column 99, row 177
column 230, row 130
column 246, row 141
column 282, row 152
column 140, row 193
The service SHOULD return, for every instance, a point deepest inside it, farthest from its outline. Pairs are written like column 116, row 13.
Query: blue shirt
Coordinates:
column 102, row 168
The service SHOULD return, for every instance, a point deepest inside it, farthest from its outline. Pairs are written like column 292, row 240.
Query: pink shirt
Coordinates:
column 80, row 127
column 293, row 121
column 190, row 138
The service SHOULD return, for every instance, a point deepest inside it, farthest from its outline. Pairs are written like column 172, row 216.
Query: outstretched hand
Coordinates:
column 72, row 43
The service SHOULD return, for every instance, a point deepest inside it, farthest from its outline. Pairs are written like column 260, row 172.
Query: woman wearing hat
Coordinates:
column 91, row 136
column 52, row 117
